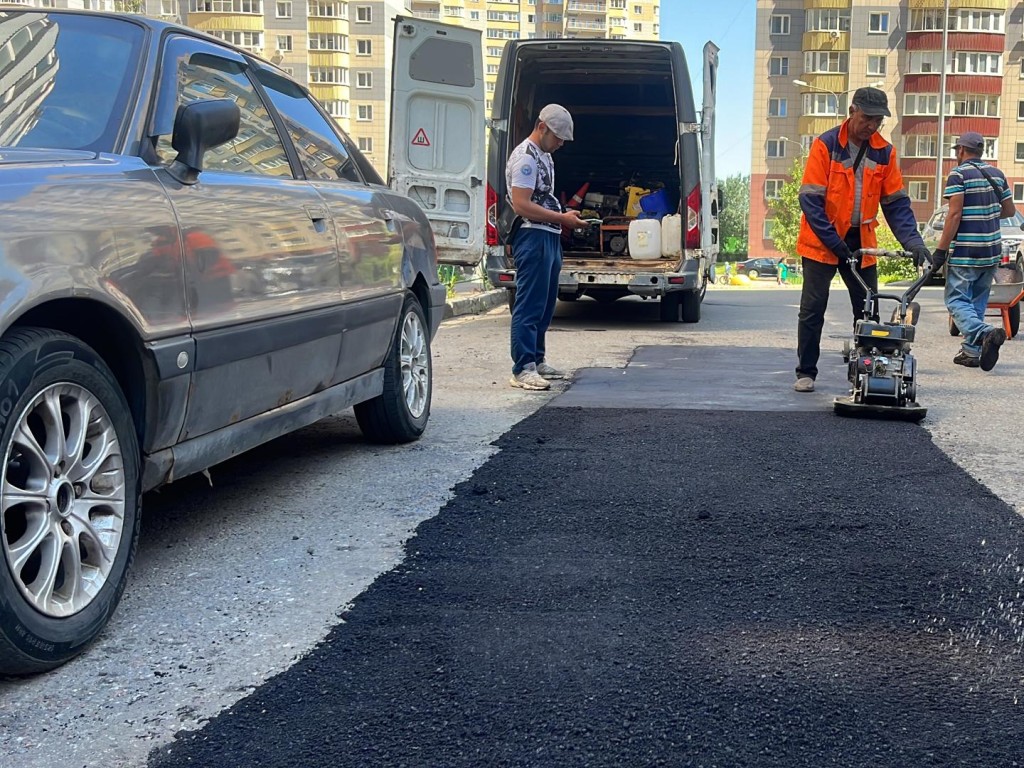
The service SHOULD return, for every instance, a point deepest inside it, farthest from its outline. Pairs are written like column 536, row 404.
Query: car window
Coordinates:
column 1013, row 222
column 321, row 152
column 257, row 149
column 72, row 80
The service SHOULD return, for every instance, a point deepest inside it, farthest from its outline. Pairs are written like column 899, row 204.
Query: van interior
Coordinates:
column 625, row 134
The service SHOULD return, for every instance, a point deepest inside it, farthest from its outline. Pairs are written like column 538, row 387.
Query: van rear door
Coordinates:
column 436, row 155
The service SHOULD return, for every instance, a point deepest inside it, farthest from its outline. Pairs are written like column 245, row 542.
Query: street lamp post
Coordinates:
column 942, row 108
column 804, row 84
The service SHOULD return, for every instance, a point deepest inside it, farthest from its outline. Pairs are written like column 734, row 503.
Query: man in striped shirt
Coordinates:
column 978, row 197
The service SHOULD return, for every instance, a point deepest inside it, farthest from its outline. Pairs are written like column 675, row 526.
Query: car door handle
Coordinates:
column 318, row 215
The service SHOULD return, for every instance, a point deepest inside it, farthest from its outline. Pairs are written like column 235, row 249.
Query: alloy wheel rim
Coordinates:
column 415, row 365
column 62, row 500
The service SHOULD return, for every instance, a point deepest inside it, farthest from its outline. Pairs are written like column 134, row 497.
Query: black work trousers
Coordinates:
column 814, row 301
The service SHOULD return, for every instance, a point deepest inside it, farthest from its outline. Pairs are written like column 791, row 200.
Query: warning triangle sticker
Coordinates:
column 420, row 139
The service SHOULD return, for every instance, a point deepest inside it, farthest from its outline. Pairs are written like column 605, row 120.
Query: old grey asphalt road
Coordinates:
column 237, row 580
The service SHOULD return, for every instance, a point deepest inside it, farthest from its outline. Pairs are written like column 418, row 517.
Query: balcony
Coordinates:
column 586, row 26
column 584, row 7
column 435, row 15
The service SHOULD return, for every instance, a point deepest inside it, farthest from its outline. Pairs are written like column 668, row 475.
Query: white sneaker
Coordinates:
column 804, row 384
column 528, row 378
column 549, row 371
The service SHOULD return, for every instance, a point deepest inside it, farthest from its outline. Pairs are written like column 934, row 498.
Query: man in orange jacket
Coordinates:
column 851, row 171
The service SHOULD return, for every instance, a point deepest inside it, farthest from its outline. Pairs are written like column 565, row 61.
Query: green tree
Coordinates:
column 786, row 210
column 734, row 218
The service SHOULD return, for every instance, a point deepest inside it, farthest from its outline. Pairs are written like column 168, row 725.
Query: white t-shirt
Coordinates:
column 529, row 167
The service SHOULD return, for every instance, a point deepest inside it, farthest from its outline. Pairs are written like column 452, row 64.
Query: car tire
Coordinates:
column 1014, row 313
column 953, row 330
column 669, row 307
column 400, row 413
column 752, row 274
column 690, row 302
column 70, row 508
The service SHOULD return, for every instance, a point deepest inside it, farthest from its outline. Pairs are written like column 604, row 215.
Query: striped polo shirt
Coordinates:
column 977, row 242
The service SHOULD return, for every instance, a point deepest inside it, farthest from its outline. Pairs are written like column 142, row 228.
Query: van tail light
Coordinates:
column 692, row 237
column 492, row 216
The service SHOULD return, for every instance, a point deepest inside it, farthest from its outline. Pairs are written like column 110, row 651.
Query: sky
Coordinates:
column 730, row 26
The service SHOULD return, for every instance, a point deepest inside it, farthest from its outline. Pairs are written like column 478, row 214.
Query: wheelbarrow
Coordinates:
column 1004, row 301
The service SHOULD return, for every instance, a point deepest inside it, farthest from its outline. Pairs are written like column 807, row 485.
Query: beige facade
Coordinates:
column 834, row 47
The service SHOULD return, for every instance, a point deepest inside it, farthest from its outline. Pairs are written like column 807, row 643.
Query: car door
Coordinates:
column 369, row 234
column 261, row 272
column 437, row 151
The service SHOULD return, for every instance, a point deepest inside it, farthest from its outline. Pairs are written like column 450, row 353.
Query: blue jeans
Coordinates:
column 967, row 290
column 538, row 260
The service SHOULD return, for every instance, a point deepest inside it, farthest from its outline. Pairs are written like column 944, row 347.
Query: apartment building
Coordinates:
column 944, row 74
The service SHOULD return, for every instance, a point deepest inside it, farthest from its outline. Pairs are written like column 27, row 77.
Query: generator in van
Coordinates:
column 637, row 134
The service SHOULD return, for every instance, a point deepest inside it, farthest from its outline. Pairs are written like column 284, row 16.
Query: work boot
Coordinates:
column 990, row 348
column 549, row 371
column 528, row 378
column 804, row 384
column 966, row 360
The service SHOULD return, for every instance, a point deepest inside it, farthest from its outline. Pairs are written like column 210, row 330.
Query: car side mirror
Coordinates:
column 198, row 127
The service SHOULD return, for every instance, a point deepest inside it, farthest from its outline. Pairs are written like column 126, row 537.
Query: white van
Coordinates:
column 636, row 127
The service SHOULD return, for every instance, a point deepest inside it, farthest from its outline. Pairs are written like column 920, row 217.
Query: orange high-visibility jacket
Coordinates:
column 826, row 197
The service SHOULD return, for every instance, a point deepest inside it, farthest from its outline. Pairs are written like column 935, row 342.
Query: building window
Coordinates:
column 776, row 107
column 961, row 105
column 769, row 224
column 364, row 112
column 1020, row 110
column 332, row 75
column 773, row 188
column 474, row 15
column 364, row 14
column 826, row 62
column 328, row 9
column 806, row 140
column 878, row 23
column 1018, row 193
column 778, row 66
column 877, row 66
column 284, row 43
column 364, row 79
column 976, row 21
column 365, row 144
column 224, row 6
column 776, row 148
column 918, row 191
column 921, row 104
column 364, row 47
column 494, row 50
column 924, row 62
column 638, row 27
column 820, row 104
column 1019, row 154
column 920, row 146
column 827, row 20
column 970, row 63
column 779, row 24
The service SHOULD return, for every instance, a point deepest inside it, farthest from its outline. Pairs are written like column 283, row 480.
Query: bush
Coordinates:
column 890, row 269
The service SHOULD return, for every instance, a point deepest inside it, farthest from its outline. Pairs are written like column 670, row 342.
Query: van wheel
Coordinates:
column 668, row 308
column 510, row 297
column 690, row 301
column 399, row 414
column 69, row 508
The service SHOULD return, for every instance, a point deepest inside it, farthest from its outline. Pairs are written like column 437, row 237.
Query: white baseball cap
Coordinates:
column 558, row 120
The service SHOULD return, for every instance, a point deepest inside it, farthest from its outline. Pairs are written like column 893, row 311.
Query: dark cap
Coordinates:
column 871, row 101
column 971, row 140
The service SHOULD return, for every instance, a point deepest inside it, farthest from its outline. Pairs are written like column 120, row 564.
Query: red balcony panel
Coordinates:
column 985, row 42
column 924, row 166
column 987, row 84
column 916, row 126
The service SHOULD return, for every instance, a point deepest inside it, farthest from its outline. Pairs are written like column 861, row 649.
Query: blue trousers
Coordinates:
column 538, row 260
column 967, row 290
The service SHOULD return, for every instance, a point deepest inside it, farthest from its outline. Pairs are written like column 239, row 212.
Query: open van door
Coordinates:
column 437, row 151
column 709, row 232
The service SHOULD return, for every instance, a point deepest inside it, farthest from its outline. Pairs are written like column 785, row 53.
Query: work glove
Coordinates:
column 939, row 257
column 842, row 252
column 922, row 256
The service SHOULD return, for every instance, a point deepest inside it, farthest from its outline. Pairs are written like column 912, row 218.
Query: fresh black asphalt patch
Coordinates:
column 631, row 587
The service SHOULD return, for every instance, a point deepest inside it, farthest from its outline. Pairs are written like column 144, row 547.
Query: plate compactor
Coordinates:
column 881, row 370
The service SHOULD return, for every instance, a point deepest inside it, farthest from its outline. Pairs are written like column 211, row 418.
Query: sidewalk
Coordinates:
column 472, row 297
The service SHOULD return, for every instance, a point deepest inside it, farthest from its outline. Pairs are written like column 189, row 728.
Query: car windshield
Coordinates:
column 67, row 79
column 1013, row 222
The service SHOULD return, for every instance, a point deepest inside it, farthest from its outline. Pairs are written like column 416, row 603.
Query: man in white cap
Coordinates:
column 978, row 196
column 537, row 245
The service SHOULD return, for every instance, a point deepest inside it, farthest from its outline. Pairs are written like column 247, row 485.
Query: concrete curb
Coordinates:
column 475, row 303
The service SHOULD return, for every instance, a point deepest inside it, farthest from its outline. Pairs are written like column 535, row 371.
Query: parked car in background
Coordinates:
column 194, row 260
column 755, row 268
column 1011, row 229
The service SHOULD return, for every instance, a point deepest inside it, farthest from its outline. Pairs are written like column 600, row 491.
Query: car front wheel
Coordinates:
column 400, row 413
column 69, row 500
column 752, row 274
